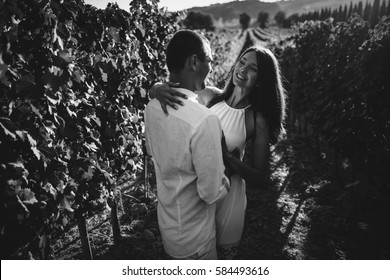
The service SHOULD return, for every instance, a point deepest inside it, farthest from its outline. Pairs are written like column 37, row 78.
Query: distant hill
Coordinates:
column 230, row 11
column 304, row 6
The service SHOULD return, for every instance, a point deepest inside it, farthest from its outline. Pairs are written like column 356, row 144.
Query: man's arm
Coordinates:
column 212, row 184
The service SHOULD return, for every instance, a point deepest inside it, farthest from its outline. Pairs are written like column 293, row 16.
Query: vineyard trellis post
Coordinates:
column 84, row 236
column 116, row 232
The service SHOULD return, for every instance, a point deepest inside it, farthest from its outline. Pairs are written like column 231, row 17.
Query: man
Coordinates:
column 187, row 155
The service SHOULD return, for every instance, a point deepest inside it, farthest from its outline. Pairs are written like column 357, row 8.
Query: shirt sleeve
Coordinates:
column 206, row 150
column 147, row 146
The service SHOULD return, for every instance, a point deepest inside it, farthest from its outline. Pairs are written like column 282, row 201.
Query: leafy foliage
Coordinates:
column 262, row 19
column 198, row 20
column 280, row 18
column 340, row 89
column 245, row 20
column 225, row 45
column 372, row 13
column 73, row 85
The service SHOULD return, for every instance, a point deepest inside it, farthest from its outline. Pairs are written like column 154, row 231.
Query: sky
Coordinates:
column 171, row 5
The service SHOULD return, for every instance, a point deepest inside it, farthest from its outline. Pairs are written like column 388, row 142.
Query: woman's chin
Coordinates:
column 238, row 83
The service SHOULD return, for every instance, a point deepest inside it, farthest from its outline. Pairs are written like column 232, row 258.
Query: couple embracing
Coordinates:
column 198, row 147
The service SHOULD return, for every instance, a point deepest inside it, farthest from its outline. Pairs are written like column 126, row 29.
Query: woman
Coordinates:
column 251, row 108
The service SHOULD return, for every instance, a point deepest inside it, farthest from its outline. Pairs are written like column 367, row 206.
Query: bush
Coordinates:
column 339, row 89
column 198, row 20
column 73, row 81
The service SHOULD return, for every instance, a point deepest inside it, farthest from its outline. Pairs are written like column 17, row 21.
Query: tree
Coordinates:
column 245, row 19
column 199, row 20
column 293, row 19
column 350, row 10
column 280, row 18
column 335, row 15
column 360, row 8
column 374, row 18
column 325, row 13
column 367, row 11
column 345, row 13
column 388, row 9
column 340, row 13
column 382, row 11
column 329, row 13
column 316, row 15
column 262, row 19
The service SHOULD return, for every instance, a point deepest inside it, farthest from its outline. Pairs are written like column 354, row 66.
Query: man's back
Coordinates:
column 190, row 174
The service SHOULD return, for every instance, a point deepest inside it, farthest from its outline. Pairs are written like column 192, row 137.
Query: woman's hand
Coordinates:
column 167, row 95
column 236, row 153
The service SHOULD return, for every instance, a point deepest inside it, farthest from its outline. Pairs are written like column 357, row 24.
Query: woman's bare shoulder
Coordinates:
column 261, row 122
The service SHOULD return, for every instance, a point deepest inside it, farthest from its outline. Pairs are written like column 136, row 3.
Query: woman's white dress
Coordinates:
column 231, row 209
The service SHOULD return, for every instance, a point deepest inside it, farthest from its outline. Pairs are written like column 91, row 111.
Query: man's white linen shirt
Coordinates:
column 187, row 155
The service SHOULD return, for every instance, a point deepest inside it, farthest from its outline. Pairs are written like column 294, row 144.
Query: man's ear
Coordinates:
column 194, row 62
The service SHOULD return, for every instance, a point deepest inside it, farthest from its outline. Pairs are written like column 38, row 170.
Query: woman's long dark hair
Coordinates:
column 267, row 96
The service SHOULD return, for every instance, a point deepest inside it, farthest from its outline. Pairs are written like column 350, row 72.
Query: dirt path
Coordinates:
column 305, row 214
column 278, row 222
column 302, row 214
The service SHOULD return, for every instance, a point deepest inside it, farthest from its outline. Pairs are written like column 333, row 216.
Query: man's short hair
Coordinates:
column 183, row 44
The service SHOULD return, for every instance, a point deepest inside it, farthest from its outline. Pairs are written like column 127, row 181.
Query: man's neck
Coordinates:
column 184, row 81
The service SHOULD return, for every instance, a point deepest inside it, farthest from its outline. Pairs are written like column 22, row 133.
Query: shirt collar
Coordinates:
column 192, row 96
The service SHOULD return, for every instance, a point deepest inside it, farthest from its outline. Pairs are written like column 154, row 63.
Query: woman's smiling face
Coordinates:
column 245, row 71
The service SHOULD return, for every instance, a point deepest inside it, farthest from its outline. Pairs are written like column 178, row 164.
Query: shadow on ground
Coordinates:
column 303, row 214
